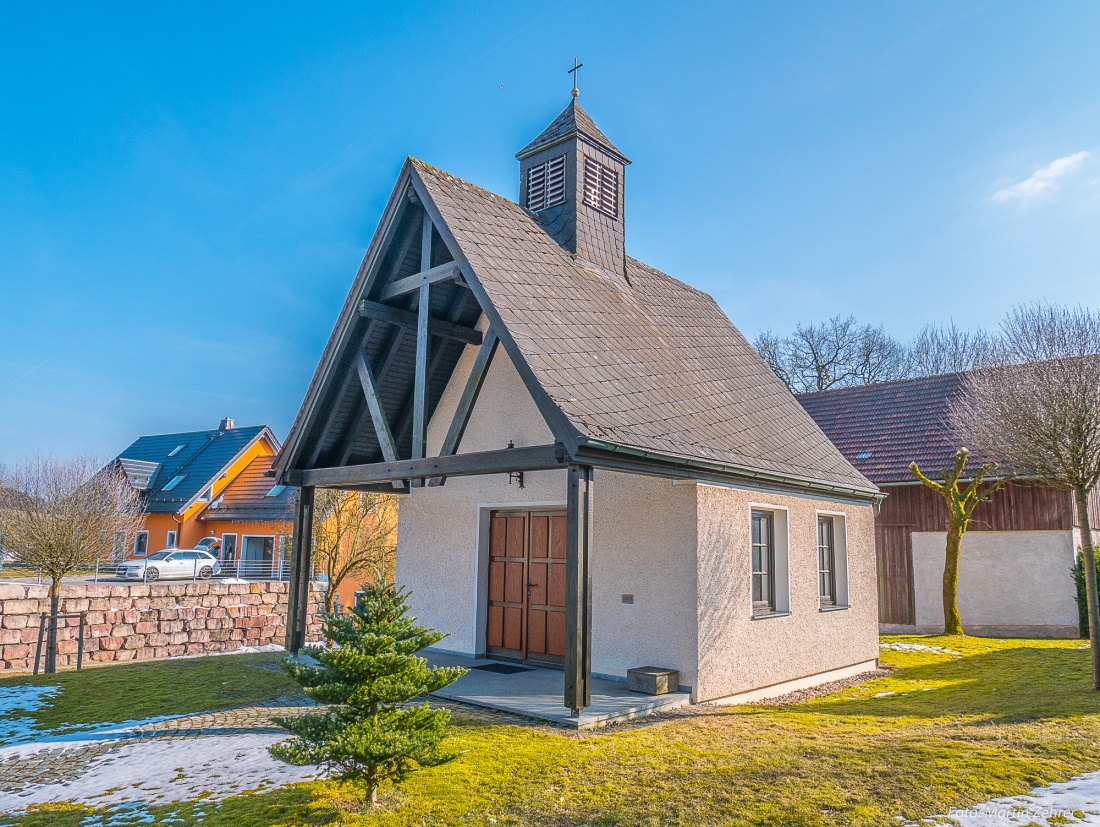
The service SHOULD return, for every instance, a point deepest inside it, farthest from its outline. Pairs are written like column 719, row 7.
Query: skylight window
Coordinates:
column 275, row 491
column 176, row 480
column 863, row 455
column 177, row 449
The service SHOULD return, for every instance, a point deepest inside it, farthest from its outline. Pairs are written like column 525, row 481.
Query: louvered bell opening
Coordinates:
column 609, row 191
column 546, row 184
column 601, row 187
column 555, row 181
column 591, row 183
column 536, row 187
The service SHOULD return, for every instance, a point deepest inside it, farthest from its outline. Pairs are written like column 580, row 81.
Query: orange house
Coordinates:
column 209, row 486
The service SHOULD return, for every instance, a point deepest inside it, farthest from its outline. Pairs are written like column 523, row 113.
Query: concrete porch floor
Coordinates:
column 538, row 693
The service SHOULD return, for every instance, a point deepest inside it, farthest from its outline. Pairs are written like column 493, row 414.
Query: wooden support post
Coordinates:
column 420, row 385
column 578, row 589
column 298, row 598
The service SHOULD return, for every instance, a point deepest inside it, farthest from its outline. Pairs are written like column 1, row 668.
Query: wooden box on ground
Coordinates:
column 652, row 680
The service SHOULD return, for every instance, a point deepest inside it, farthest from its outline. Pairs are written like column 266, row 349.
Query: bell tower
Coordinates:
column 571, row 180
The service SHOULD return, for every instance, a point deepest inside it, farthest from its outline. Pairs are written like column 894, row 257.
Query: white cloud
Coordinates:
column 1041, row 180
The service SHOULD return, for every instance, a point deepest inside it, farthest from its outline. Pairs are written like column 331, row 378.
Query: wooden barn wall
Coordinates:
column 1016, row 507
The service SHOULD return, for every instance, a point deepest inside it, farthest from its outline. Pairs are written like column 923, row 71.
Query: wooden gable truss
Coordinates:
column 415, row 305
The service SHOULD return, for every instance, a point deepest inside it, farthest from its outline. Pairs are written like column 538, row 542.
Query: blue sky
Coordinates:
column 186, row 190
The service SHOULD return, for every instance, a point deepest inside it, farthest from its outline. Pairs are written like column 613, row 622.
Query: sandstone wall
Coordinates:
column 146, row 621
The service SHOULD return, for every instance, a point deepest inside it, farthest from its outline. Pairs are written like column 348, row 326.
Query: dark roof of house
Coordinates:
column 203, row 456
column 249, row 497
column 642, row 361
column 882, row 428
column 572, row 121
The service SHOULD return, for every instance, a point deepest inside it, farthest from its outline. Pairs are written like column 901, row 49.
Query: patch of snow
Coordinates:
column 1043, row 806
column 165, row 770
column 244, row 650
column 916, row 647
column 22, row 698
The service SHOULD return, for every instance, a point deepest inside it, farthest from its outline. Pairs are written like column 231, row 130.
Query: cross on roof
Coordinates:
column 574, row 73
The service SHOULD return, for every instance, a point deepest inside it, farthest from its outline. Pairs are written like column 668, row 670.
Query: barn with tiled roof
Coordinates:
column 1020, row 545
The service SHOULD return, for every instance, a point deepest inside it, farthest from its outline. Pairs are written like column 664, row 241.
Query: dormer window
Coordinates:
column 176, row 480
column 546, row 184
column 601, row 187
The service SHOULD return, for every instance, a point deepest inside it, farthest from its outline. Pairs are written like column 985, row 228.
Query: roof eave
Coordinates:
column 735, row 472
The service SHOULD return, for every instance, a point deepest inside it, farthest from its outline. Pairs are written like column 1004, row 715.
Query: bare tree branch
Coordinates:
column 1037, row 410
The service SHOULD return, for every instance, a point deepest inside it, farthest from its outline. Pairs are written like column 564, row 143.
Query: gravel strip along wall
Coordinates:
column 146, row 621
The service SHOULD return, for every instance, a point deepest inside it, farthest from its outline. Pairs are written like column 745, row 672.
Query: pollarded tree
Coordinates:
column 960, row 507
column 62, row 515
column 353, row 534
column 1038, row 411
column 369, row 734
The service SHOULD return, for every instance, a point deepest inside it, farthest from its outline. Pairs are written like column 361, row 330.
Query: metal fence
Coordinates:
column 105, row 572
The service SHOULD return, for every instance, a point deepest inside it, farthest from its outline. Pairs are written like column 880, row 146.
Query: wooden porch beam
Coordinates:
column 377, row 415
column 374, row 405
column 444, row 272
column 379, row 378
column 534, row 458
column 578, row 589
column 405, row 318
column 469, row 397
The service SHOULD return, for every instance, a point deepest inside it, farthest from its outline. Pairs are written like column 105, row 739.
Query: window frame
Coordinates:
column 143, row 534
column 780, row 562
column 222, row 552
column 764, row 573
column 841, row 593
column 171, row 538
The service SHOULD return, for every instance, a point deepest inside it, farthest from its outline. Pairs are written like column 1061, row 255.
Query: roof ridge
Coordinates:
column 912, row 380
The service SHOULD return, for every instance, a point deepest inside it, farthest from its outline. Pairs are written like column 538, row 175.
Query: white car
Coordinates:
column 171, row 563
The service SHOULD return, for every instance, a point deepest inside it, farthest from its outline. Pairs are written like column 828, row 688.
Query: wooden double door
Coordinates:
column 526, row 611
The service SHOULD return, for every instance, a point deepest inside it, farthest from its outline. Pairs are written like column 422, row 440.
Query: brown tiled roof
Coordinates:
column 572, row 120
column 882, row 428
column 642, row 361
column 245, row 498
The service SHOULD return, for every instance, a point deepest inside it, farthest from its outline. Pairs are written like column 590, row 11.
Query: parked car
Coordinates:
column 171, row 563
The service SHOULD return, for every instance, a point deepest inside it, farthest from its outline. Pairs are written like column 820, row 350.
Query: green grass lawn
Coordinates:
column 110, row 694
column 943, row 730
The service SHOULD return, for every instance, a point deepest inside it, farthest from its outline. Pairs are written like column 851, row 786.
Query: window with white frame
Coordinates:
column 601, row 187
column 171, row 542
column 770, row 569
column 832, row 561
column 141, row 543
column 546, row 184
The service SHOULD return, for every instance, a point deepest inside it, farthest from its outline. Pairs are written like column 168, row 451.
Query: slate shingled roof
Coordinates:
column 644, row 361
column 204, row 455
column 882, row 428
column 246, row 498
column 571, row 121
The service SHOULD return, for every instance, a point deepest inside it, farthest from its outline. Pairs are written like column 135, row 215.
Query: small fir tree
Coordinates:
column 369, row 733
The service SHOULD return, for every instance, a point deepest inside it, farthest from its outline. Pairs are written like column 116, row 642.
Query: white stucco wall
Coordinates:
column 738, row 653
column 643, row 539
column 1009, row 581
